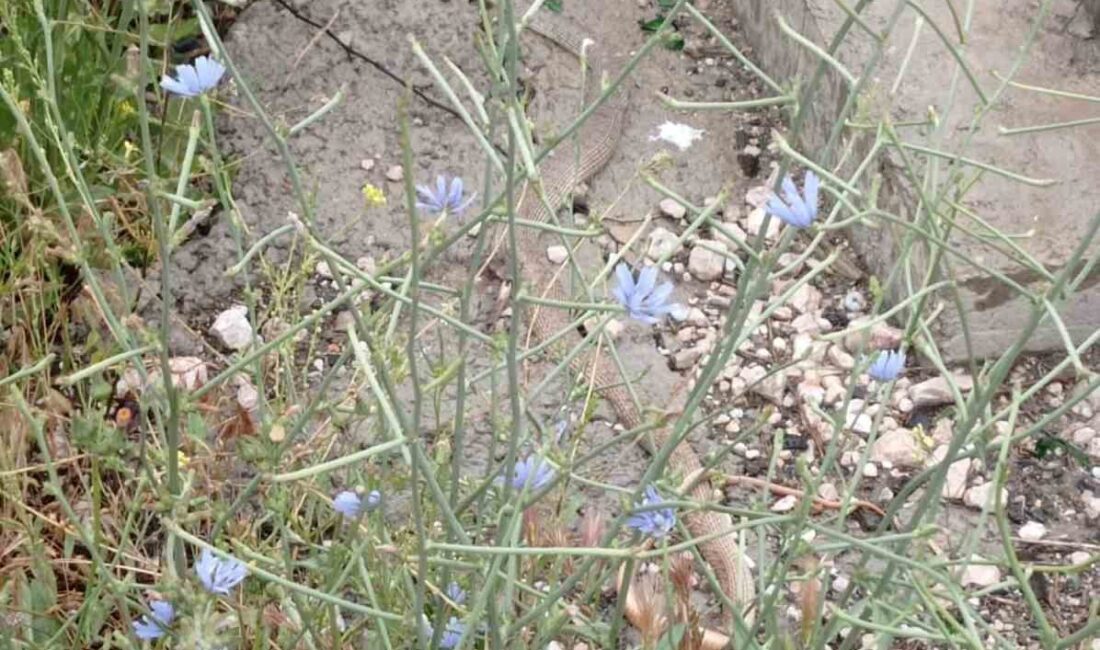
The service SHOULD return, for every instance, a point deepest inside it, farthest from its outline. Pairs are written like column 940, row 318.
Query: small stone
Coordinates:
column 1092, row 505
column 854, row 302
column 834, row 389
column 1083, row 436
column 839, row 358
column 557, row 254
column 841, row 583
column 323, row 270
column 345, row 321
column 861, row 423
column 783, row 313
column 686, row 358
column 828, row 492
column 807, row 324
column 980, row 575
column 367, row 265
column 957, row 476
column 758, row 196
column 395, row 174
column 936, row 391
column 806, row 299
column 696, row 318
column 811, row 391
column 707, row 261
column 232, row 329
column 881, row 337
column 248, row 398
column 943, row 431
column 1079, row 557
column 786, row 504
column 366, row 164
column 756, row 221
column 1032, row 531
column 770, row 387
column 870, row 470
column 753, row 454
column 982, row 494
column 898, row 447
column 661, row 244
column 905, row 405
column 614, row 328
column 672, row 208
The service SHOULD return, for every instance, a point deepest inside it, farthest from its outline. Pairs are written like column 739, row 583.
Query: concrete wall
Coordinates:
column 1053, row 218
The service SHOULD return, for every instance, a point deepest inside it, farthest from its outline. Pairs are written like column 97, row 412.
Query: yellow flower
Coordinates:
column 125, row 109
column 128, row 150
column 373, row 195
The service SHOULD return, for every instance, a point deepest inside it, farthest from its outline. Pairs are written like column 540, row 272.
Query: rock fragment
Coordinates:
column 707, row 261
column 672, row 208
column 1032, row 531
column 980, row 575
column 661, row 244
column 981, row 495
column 557, row 254
column 232, row 329
column 937, row 392
column 898, row 447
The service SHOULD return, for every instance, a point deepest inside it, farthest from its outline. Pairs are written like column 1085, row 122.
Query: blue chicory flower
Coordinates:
column 452, row 634
column 455, row 593
column 887, row 366
column 348, row 503
column 654, row 523
column 193, row 80
column 218, row 576
column 149, row 628
column 443, row 198
column 643, row 300
column 798, row 211
column 533, row 472
column 374, row 499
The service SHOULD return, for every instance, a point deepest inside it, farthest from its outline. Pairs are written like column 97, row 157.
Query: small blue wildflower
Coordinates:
column 218, row 575
column 455, row 593
column 443, row 199
column 655, row 523
column 148, row 628
column 194, row 80
column 887, row 366
column 452, row 634
column 643, row 300
column 798, row 211
column 533, row 472
column 348, row 503
column 374, row 499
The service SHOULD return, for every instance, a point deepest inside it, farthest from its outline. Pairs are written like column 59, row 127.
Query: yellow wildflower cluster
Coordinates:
column 373, row 195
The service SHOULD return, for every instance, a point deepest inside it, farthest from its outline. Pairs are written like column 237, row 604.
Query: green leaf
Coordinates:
column 673, row 41
column 666, row 4
column 652, row 25
column 166, row 34
column 1048, row 444
column 554, row 5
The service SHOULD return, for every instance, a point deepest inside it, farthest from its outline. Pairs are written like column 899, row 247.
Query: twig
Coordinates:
column 819, row 502
column 352, row 52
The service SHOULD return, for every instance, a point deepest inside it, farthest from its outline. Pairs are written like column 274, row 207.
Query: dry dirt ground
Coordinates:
column 294, row 69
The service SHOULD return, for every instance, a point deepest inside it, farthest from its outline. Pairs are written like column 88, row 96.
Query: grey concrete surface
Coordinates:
column 1046, row 222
